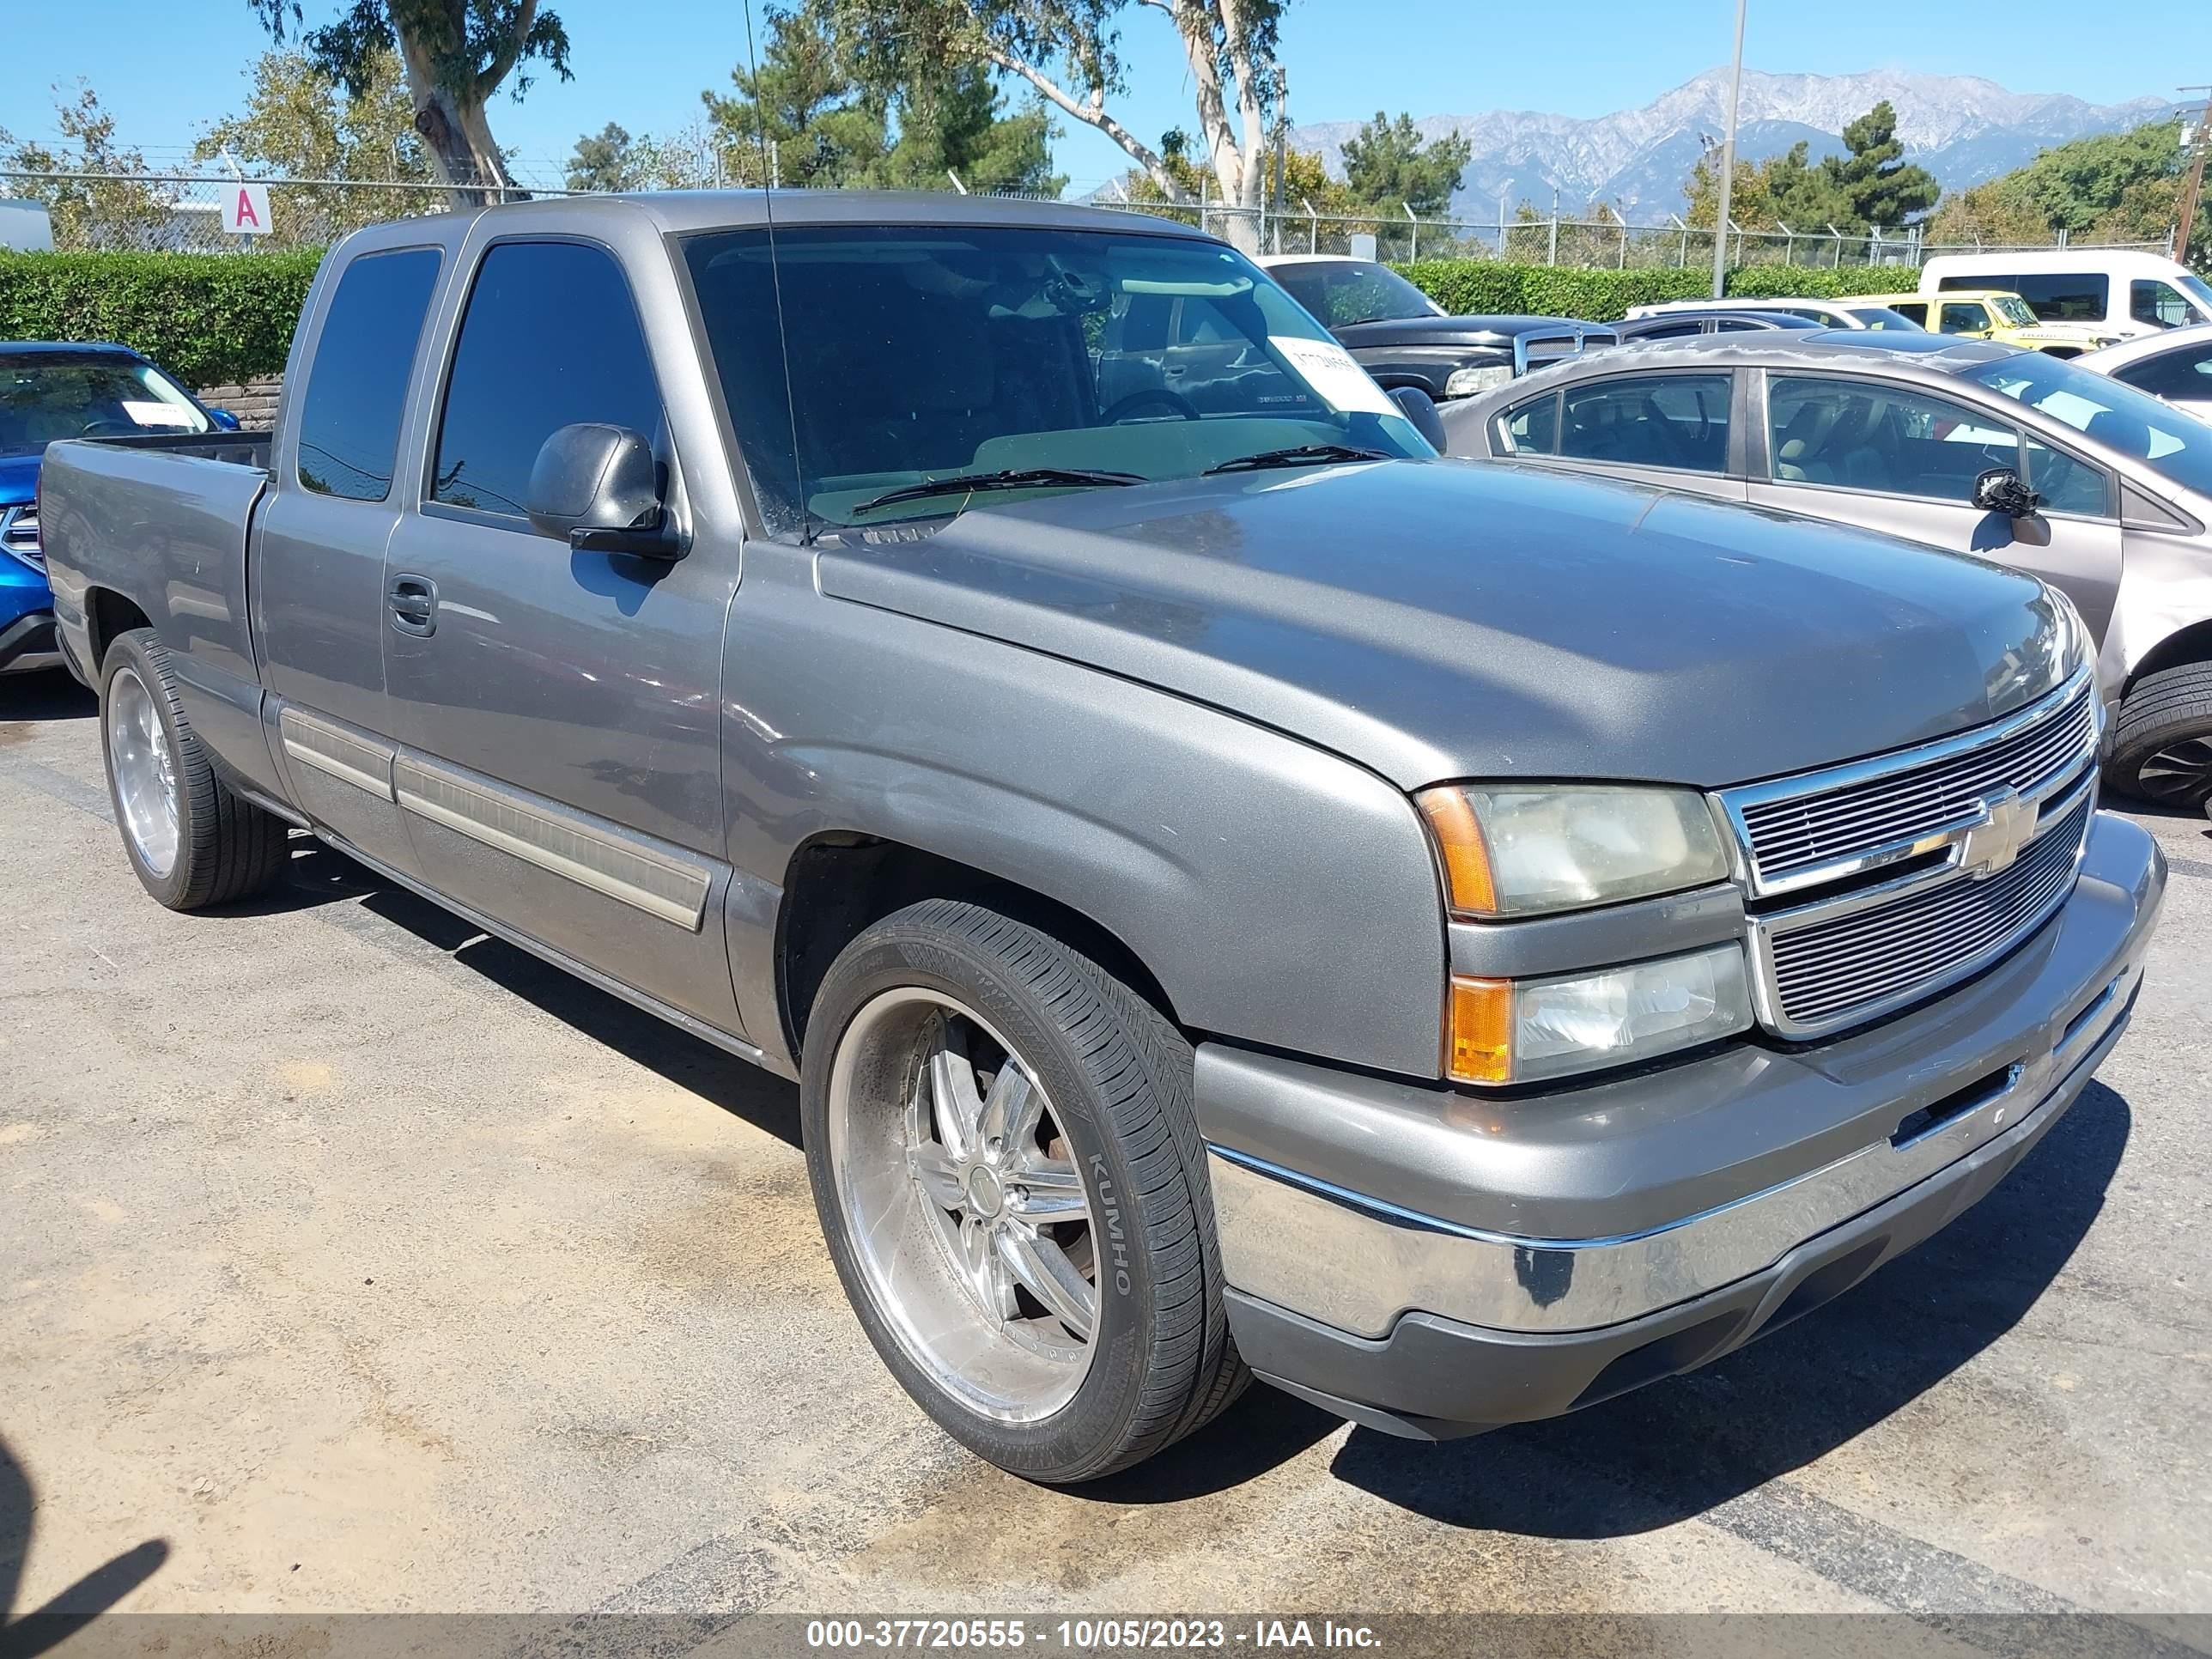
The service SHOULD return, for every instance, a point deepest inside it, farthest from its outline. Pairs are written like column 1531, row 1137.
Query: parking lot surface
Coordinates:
column 353, row 1262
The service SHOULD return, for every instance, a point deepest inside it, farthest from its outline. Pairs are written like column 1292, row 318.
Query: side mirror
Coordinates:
column 2001, row 490
column 222, row 419
column 1417, row 406
column 598, row 488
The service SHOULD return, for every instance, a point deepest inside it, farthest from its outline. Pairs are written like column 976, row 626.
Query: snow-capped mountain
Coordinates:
column 1962, row 129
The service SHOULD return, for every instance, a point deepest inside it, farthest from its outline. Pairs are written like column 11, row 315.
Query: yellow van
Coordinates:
column 1992, row 314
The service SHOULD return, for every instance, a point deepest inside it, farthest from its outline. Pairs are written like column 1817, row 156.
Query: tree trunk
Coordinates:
column 456, row 134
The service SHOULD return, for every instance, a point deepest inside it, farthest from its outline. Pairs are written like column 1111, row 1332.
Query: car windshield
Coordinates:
column 2014, row 310
column 1883, row 317
column 2196, row 289
column 911, row 355
column 1342, row 292
column 2109, row 413
column 45, row 398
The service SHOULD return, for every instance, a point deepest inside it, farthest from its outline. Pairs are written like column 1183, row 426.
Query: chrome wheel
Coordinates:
column 145, row 771
column 2180, row 773
column 965, row 1210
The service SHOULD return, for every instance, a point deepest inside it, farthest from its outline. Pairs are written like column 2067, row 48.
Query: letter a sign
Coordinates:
column 246, row 209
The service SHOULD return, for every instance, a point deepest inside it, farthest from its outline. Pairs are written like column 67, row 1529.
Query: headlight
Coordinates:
column 1466, row 382
column 1511, row 850
column 1525, row 1031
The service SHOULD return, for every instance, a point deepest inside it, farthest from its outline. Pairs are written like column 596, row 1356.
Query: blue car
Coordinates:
column 49, row 392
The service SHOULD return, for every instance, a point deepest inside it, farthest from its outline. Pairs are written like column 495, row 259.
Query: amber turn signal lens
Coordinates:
column 1466, row 855
column 1479, row 1031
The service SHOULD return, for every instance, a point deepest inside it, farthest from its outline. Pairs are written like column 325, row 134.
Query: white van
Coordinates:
column 2125, row 293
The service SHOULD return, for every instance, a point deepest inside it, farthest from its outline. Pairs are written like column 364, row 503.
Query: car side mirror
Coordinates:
column 2001, row 490
column 222, row 419
column 598, row 488
column 1417, row 406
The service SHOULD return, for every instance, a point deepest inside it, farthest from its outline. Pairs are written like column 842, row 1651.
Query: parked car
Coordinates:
column 1688, row 324
column 2175, row 365
column 1404, row 339
column 2013, row 455
column 1996, row 314
column 2120, row 292
column 49, row 392
column 1828, row 313
column 1239, row 893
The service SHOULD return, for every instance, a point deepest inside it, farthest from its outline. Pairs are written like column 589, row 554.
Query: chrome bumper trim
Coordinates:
column 1357, row 1262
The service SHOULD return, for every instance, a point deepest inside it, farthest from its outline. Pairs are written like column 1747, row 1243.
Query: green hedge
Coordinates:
column 208, row 318
column 1602, row 297
column 212, row 317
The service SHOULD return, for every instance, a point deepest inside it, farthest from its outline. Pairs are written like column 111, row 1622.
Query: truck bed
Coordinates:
column 158, row 524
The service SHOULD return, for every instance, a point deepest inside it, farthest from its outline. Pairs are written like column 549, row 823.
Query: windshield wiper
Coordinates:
column 1300, row 455
column 1031, row 478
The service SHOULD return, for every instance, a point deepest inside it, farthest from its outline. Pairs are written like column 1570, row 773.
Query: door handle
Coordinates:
column 414, row 601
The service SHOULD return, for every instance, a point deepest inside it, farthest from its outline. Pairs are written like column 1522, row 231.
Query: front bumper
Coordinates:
column 28, row 644
column 1432, row 1262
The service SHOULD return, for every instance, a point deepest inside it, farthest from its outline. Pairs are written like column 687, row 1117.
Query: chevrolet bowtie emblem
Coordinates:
column 2007, row 824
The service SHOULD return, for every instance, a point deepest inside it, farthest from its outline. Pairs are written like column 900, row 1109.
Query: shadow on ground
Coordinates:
column 52, row 696
column 1665, row 1454
column 94, row 1594
column 319, row 876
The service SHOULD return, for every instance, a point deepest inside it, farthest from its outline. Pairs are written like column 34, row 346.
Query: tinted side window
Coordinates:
column 2154, row 302
column 1534, row 428
column 2068, row 297
column 1962, row 318
column 1658, row 420
column 2186, row 373
column 550, row 338
column 1912, row 312
column 357, row 384
column 1865, row 435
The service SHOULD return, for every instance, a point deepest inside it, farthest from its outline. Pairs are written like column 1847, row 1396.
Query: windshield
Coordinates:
column 1883, row 317
column 2196, row 289
column 1342, row 292
column 927, row 352
column 45, row 398
column 2111, row 414
column 2014, row 310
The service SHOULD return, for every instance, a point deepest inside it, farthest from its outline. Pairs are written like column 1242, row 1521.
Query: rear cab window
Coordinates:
column 357, row 386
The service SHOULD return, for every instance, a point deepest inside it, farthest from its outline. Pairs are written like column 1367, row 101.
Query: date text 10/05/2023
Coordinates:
column 1087, row 1635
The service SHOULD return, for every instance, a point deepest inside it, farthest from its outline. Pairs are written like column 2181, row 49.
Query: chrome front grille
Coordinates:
column 1905, row 874
column 19, row 535
column 1830, row 972
column 1799, row 832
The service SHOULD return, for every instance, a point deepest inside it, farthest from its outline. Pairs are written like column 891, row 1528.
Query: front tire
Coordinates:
column 1010, row 1180
column 191, row 841
column 2162, row 738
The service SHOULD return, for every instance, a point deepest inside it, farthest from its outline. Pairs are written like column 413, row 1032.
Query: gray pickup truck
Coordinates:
column 1238, row 894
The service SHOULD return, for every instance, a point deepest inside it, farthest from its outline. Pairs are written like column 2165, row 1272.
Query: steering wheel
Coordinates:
column 107, row 428
column 1173, row 402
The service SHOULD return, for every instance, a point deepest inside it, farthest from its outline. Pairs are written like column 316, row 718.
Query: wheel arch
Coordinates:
column 2182, row 647
column 107, row 614
column 840, row 882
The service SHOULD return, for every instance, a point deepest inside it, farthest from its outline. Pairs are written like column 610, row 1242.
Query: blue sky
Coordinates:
column 165, row 68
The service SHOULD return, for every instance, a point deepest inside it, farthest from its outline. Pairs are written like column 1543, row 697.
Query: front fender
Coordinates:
column 1281, row 895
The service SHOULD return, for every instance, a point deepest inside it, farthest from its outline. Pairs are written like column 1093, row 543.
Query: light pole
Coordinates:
column 1727, row 161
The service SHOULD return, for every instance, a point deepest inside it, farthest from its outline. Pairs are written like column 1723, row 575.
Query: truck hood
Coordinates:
column 1474, row 332
column 19, row 478
column 1446, row 619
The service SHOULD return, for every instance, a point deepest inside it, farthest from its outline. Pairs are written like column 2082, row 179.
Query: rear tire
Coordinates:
column 1010, row 1180
column 2162, row 740
column 192, row 841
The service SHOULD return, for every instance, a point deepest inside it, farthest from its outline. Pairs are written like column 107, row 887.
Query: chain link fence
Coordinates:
column 184, row 212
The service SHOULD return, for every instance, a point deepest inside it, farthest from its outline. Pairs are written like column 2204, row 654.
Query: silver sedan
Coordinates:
column 1966, row 446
